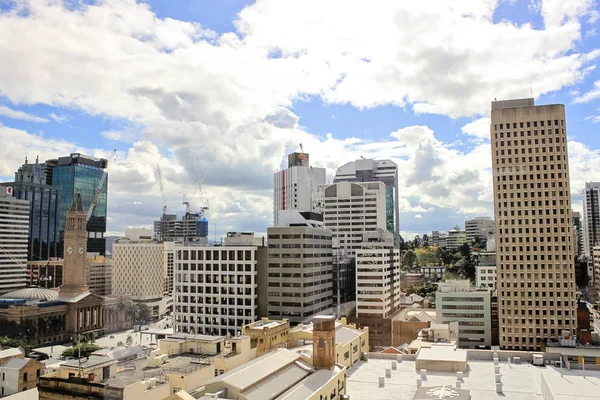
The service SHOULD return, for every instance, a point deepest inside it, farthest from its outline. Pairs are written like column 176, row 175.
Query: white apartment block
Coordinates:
column 292, row 186
column 591, row 217
column 378, row 291
column 300, row 272
column 596, row 258
column 479, row 228
column 485, row 277
column 139, row 270
column 14, row 229
column 456, row 301
column 216, row 288
column 351, row 209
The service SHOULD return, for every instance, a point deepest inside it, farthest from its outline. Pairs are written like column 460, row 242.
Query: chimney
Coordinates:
column 323, row 341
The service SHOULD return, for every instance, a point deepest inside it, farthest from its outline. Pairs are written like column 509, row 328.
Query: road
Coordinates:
column 114, row 338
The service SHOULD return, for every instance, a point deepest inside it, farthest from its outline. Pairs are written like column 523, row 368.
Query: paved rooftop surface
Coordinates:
column 520, row 382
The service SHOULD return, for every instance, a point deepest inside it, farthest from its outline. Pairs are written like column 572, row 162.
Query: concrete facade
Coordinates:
column 14, row 226
column 456, row 301
column 352, row 209
column 532, row 208
column 479, row 228
column 300, row 272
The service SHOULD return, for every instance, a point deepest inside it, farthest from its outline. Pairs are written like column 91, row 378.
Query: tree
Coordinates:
column 443, row 256
column 417, row 242
column 425, row 240
column 144, row 313
column 129, row 341
column 120, row 344
column 85, row 349
column 409, row 260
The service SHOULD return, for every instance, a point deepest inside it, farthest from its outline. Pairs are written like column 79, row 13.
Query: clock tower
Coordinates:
column 75, row 251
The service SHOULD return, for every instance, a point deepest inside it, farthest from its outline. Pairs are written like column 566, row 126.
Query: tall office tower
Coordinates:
column 352, row 209
column 456, row 238
column 377, row 276
column 385, row 171
column 534, row 238
column 14, row 221
column 577, row 234
column 295, row 187
column 139, row 270
column 300, row 269
column 591, row 217
column 479, row 228
column 31, row 184
column 86, row 175
column 218, row 289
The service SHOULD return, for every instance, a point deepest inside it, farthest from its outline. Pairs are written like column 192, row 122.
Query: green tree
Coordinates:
column 144, row 313
column 129, row 341
column 409, row 260
column 425, row 240
column 443, row 256
column 85, row 349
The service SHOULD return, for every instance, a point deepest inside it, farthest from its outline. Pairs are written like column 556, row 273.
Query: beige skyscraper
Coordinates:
column 532, row 207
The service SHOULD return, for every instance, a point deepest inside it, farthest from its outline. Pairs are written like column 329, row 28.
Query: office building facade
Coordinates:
column 378, row 291
column 300, row 272
column 14, row 223
column 534, row 238
column 385, row 171
column 479, row 228
column 456, row 301
column 351, row 209
column 139, row 270
column 86, row 175
column 456, row 238
column 591, row 217
column 190, row 228
column 294, row 188
column 216, row 288
column 44, row 200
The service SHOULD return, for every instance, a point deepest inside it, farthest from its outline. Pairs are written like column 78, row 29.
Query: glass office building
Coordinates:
column 88, row 176
column 44, row 200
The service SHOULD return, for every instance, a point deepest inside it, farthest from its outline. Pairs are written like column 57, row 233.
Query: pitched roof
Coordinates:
column 391, row 350
column 11, row 352
column 16, row 363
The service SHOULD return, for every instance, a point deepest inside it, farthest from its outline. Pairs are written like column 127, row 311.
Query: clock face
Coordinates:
column 69, row 250
column 80, row 251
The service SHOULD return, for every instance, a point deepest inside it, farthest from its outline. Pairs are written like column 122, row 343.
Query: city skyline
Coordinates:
column 187, row 92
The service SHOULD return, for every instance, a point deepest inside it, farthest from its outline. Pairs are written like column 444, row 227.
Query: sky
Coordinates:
column 220, row 91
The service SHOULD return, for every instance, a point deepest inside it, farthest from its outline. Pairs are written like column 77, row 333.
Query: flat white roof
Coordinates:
column 442, row 352
column 571, row 385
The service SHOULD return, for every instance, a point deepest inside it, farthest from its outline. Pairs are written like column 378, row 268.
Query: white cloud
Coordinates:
column 20, row 115
column 590, row 95
column 559, row 12
column 479, row 128
column 418, row 216
column 61, row 119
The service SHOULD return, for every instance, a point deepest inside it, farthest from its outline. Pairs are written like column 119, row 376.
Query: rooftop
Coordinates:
column 442, row 352
column 16, row 363
column 520, row 381
column 11, row 352
column 32, row 293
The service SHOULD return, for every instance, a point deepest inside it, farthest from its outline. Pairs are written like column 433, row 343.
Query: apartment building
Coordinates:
column 377, row 276
column 485, row 277
column 352, row 209
column 14, row 225
column 596, row 258
column 532, row 206
column 217, row 288
column 300, row 270
column 456, row 301
column 139, row 270
column 98, row 275
column 479, row 228
column 591, row 217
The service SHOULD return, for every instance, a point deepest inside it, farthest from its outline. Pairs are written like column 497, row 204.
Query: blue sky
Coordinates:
column 181, row 84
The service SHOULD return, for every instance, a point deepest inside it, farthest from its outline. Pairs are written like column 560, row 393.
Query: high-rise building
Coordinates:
column 300, row 269
column 86, row 175
column 218, row 289
column 596, row 266
column 98, row 275
column 577, row 234
column 534, row 238
column 192, row 227
column 385, row 171
column 352, row 209
column 31, row 184
column 479, row 228
column 139, row 270
column 14, row 221
column 377, row 276
column 591, row 217
column 295, row 187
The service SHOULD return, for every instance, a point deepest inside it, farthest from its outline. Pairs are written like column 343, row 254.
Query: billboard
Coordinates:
column 297, row 159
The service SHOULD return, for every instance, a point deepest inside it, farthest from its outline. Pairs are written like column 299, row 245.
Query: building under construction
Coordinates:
column 192, row 227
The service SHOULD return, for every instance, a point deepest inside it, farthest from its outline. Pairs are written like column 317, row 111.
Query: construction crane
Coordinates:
column 97, row 194
column 162, row 190
column 188, row 200
column 315, row 195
